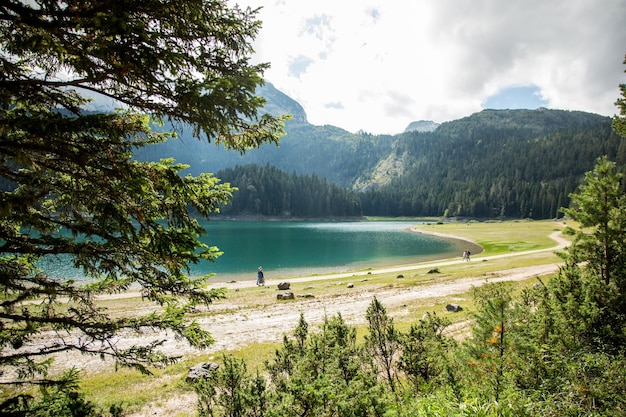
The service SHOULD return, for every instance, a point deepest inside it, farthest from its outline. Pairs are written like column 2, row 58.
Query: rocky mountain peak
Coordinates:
column 422, row 126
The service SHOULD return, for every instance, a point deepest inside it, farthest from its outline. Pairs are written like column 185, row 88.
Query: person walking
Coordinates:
column 260, row 277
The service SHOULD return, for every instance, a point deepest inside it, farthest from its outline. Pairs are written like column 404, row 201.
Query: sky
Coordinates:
column 378, row 65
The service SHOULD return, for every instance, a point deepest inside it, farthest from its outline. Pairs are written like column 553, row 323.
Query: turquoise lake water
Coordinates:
column 303, row 248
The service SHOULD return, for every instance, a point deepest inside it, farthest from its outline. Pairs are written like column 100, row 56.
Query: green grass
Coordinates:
column 133, row 390
column 500, row 237
column 130, row 389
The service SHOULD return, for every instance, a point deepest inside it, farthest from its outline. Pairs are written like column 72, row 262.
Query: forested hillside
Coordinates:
column 268, row 191
column 495, row 163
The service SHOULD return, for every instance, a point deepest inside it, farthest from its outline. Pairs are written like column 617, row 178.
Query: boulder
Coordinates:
column 455, row 308
column 287, row 295
column 284, row 286
column 203, row 370
column 306, row 295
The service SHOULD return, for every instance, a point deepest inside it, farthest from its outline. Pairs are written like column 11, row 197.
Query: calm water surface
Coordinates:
column 303, row 248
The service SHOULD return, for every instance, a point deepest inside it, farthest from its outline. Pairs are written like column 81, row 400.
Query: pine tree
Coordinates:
column 598, row 256
column 619, row 122
column 599, row 203
column 76, row 195
column 383, row 342
column 491, row 345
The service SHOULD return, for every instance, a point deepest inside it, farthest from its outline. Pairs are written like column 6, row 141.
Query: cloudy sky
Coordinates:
column 377, row 65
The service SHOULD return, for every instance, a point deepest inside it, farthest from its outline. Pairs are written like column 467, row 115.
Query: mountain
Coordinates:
column 280, row 103
column 422, row 126
column 326, row 151
column 494, row 163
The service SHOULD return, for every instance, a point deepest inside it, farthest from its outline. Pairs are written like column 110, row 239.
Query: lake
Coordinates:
column 303, row 248
column 288, row 249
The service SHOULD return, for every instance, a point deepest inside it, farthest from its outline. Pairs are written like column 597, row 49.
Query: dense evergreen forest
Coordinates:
column 268, row 191
column 497, row 163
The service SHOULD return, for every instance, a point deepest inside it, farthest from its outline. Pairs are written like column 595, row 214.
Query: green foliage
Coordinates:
column 574, row 334
column 496, row 163
column 490, row 348
column 72, row 191
column 188, row 64
column 599, row 202
column 596, row 292
column 58, row 400
column 328, row 152
column 582, row 384
column 619, row 122
column 267, row 191
column 230, row 391
column 383, row 342
column 520, row 362
column 426, row 359
column 54, row 403
column 325, row 374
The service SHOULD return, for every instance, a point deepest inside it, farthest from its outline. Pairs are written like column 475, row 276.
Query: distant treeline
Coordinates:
column 268, row 191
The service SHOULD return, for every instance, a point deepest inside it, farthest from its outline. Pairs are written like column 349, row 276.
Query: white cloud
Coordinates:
column 379, row 65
